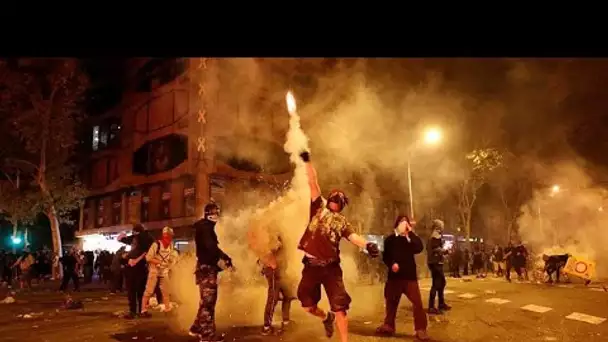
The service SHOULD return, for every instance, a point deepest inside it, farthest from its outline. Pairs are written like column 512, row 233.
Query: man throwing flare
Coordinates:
column 321, row 245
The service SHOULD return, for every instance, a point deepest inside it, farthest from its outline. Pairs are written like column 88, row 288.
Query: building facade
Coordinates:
column 179, row 138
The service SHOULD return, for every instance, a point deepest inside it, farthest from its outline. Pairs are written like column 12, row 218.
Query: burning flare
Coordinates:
column 291, row 103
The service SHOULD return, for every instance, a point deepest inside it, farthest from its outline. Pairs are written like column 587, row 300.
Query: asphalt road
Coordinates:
column 483, row 310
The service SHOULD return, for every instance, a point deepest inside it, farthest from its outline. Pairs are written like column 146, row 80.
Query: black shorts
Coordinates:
column 330, row 276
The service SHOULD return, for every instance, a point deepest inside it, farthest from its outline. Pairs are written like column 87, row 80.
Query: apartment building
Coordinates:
column 179, row 137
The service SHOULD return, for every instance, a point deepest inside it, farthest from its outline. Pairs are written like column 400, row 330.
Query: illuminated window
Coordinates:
column 95, row 138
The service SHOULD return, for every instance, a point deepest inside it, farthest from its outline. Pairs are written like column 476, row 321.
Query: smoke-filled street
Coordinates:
column 493, row 310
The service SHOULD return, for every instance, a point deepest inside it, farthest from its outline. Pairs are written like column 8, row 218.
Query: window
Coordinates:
column 116, row 209
column 106, row 134
column 189, row 197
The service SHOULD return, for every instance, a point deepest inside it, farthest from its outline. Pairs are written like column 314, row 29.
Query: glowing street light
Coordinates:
column 555, row 189
column 432, row 136
column 16, row 240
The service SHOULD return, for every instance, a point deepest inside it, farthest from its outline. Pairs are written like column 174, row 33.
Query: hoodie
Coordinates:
column 434, row 246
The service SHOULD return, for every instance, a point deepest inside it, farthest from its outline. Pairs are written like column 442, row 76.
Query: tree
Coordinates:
column 42, row 104
column 513, row 188
column 480, row 163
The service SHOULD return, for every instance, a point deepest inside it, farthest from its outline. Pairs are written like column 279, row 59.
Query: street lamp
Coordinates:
column 555, row 189
column 16, row 240
column 431, row 137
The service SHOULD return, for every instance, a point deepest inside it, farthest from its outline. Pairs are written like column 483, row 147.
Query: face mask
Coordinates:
column 401, row 227
column 213, row 217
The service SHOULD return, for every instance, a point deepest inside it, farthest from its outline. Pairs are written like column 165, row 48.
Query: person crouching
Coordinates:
column 399, row 251
column 160, row 257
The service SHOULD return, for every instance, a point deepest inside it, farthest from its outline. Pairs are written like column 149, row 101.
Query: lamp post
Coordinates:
column 432, row 136
column 555, row 189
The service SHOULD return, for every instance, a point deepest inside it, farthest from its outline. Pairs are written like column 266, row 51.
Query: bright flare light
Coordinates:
column 432, row 136
column 16, row 240
column 291, row 103
column 555, row 189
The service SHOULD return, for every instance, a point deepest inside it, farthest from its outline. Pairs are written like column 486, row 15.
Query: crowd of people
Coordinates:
column 498, row 261
column 144, row 264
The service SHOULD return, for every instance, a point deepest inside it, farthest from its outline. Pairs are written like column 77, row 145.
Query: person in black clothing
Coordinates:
column 136, row 272
column 508, row 257
column 210, row 260
column 117, row 268
column 554, row 264
column 89, row 258
column 435, row 256
column 520, row 261
column 399, row 251
column 477, row 267
column 455, row 260
column 466, row 259
column 69, row 271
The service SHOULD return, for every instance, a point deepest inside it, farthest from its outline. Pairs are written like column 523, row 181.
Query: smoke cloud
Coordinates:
column 570, row 220
column 363, row 131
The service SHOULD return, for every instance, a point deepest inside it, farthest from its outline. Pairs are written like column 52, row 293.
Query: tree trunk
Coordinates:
column 56, row 235
column 509, row 227
column 467, row 229
column 15, row 227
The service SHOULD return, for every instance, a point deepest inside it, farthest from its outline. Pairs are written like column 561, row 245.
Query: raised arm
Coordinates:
column 311, row 173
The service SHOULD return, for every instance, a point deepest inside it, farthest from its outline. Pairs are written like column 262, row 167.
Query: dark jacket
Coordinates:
column 435, row 251
column 140, row 244
column 208, row 251
column 397, row 249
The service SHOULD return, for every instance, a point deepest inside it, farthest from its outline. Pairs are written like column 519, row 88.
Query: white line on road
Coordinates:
column 536, row 308
column 598, row 289
column 566, row 286
column 448, row 291
column 577, row 316
column 498, row 301
column 467, row 296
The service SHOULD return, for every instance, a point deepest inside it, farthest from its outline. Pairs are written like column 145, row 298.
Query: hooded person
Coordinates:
column 210, row 261
column 435, row 260
column 399, row 253
column 160, row 257
column 321, row 246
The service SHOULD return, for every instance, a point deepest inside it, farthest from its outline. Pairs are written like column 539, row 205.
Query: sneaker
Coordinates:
column 267, row 331
column 445, row 307
column 385, row 330
column 328, row 324
column 422, row 335
column 129, row 315
column 433, row 311
column 214, row 338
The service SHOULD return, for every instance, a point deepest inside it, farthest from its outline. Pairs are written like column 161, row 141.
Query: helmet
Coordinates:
column 338, row 196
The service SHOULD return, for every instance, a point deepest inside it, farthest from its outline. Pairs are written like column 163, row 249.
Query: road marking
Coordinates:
column 448, row 291
column 489, row 292
column 598, row 289
column 425, row 288
column 566, row 286
column 577, row 316
column 467, row 296
column 536, row 308
column 498, row 301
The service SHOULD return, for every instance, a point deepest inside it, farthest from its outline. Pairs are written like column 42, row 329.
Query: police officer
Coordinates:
column 209, row 257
